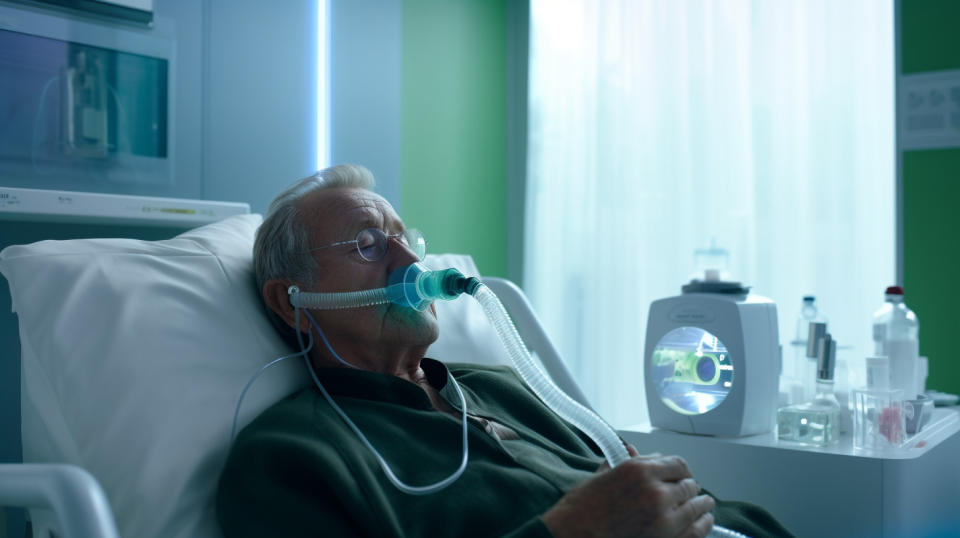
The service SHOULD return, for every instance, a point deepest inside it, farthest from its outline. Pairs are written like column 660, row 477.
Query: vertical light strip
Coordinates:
column 323, row 88
column 898, row 143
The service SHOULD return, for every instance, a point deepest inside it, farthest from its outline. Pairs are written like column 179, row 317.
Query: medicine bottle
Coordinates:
column 896, row 335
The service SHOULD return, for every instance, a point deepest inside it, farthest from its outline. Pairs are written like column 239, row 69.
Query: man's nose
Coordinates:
column 399, row 253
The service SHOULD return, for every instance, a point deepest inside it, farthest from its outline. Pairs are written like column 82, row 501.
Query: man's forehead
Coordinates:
column 342, row 210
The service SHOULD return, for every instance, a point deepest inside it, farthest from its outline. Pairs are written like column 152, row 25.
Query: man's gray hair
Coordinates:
column 281, row 247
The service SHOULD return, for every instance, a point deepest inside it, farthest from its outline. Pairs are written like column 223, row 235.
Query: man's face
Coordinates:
column 334, row 215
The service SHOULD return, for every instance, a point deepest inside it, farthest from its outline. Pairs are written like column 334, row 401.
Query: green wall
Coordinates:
column 929, row 41
column 453, row 164
column 928, row 35
column 931, row 196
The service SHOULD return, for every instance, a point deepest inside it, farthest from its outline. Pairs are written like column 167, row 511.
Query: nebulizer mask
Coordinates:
column 416, row 286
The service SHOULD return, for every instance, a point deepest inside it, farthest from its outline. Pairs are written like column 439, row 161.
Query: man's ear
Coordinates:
column 277, row 299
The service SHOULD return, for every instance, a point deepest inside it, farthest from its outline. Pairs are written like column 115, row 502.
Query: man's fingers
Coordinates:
column 683, row 491
column 700, row 528
column 691, row 511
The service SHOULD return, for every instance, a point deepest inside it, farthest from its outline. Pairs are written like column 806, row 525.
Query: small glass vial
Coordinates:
column 816, row 422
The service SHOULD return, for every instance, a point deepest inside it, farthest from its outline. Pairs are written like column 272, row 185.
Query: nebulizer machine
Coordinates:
column 416, row 286
column 712, row 360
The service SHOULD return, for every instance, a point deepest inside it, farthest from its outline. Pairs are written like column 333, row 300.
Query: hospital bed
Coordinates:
column 133, row 356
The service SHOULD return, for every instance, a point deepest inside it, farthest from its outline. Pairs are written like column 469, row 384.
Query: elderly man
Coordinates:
column 302, row 469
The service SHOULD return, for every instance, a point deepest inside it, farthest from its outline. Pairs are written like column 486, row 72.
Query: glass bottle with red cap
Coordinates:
column 896, row 335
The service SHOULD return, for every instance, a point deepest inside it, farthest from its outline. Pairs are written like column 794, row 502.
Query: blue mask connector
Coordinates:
column 416, row 286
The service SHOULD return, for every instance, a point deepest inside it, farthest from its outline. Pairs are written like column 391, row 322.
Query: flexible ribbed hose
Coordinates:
column 569, row 409
column 336, row 301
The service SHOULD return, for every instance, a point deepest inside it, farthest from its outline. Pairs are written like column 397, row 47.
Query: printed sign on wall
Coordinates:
column 929, row 110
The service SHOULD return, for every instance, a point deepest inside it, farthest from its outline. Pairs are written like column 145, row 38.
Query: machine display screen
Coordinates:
column 692, row 370
column 77, row 111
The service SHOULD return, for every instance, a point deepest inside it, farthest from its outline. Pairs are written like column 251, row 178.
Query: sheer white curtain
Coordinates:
column 658, row 125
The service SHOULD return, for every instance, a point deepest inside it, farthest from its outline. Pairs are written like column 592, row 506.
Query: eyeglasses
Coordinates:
column 372, row 243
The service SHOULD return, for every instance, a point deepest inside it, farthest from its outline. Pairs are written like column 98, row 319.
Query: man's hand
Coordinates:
column 650, row 495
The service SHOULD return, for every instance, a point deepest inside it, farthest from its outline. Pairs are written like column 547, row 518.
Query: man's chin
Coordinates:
column 421, row 326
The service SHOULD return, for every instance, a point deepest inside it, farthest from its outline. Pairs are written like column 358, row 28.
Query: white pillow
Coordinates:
column 134, row 354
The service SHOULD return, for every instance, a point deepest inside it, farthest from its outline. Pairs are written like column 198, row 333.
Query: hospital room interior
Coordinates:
column 709, row 229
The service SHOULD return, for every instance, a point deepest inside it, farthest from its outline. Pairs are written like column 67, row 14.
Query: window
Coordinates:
column 658, row 127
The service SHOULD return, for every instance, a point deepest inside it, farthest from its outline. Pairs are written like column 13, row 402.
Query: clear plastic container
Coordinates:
column 879, row 419
column 714, row 259
column 896, row 335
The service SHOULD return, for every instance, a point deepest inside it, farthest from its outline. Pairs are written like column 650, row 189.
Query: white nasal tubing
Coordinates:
column 420, row 287
column 399, row 484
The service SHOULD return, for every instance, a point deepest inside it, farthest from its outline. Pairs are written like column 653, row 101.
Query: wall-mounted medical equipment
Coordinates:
column 42, row 205
column 712, row 360
column 85, row 100
column 129, row 11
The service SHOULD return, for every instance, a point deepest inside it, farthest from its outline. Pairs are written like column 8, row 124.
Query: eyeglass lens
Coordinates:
column 372, row 243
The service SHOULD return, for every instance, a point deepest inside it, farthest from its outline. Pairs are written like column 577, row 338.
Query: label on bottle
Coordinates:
column 879, row 334
column 878, row 373
column 904, row 356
